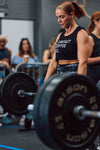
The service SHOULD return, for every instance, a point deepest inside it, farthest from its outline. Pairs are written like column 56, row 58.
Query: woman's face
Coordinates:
column 2, row 44
column 63, row 18
column 25, row 46
column 97, row 24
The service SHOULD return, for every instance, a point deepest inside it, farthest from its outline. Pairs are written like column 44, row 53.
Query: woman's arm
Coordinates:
column 93, row 60
column 52, row 68
column 46, row 56
column 83, row 51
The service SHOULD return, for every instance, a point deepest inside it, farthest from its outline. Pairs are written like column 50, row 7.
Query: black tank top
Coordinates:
column 96, row 48
column 4, row 53
column 66, row 47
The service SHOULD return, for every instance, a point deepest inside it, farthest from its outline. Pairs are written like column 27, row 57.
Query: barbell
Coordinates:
column 66, row 108
column 15, row 95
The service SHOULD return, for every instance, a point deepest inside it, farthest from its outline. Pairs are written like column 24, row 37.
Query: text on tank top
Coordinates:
column 66, row 47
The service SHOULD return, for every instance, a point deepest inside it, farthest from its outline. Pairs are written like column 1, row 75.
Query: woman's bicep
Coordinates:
column 83, row 46
column 46, row 55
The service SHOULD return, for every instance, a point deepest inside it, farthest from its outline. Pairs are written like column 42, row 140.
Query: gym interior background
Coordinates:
column 41, row 15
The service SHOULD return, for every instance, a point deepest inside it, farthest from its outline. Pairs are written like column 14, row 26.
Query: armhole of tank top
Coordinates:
column 93, row 37
column 62, row 35
column 79, row 28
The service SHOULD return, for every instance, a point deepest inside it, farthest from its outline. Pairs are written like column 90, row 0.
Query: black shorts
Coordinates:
column 70, row 68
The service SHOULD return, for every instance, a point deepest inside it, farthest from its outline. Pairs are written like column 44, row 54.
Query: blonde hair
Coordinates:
column 69, row 7
column 95, row 17
column 3, row 37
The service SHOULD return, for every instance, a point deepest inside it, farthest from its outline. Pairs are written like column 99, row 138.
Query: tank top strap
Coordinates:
column 76, row 31
column 94, row 37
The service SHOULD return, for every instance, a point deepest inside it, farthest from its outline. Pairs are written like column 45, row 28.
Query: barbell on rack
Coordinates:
column 66, row 108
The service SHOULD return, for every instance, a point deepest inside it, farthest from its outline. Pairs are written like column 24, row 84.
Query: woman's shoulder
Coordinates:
column 78, row 30
column 80, row 27
column 81, row 30
column 9, row 50
column 16, row 59
column 17, row 56
column 46, row 51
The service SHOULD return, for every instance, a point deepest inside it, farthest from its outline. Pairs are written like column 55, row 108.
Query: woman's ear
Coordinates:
column 72, row 14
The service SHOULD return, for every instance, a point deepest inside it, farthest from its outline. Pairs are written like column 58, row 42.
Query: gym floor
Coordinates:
column 16, row 137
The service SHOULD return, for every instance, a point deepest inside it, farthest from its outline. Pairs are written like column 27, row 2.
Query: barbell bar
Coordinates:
column 63, row 109
column 81, row 113
column 22, row 93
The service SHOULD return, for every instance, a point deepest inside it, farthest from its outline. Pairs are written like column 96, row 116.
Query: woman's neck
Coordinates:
column 25, row 53
column 71, row 29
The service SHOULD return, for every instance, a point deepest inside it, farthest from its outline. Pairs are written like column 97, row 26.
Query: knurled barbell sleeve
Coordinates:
column 81, row 112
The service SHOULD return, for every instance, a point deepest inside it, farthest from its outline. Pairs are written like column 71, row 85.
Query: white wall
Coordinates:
column 15, row 30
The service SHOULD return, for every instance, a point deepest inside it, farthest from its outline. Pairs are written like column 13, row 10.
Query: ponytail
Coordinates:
column 90, row 28
column 79, row 12
column 95, row 17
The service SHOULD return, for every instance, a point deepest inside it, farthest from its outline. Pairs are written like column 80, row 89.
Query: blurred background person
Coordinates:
column 93, row 69
column 48, row 53
column 26, row 55
column 47, row 56
column 5, row 59
column 5, row 54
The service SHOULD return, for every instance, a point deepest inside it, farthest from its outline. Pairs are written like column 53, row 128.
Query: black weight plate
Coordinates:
column 39, row 126
column 98, row 86
column 10, row 100
column 58, row 126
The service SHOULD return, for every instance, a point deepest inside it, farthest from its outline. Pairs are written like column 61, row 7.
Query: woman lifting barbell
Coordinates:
column 72, row 46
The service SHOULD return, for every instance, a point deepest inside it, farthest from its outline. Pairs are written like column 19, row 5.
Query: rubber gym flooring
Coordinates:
column 16, row 137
